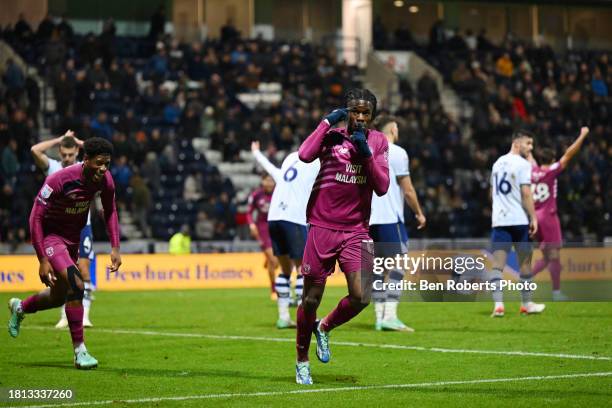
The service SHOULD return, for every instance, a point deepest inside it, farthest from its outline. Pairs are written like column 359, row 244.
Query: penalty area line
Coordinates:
column 343, row 343
column 326, row 390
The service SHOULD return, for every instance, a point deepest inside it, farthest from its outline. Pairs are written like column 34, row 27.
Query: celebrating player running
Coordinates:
column 59, row 214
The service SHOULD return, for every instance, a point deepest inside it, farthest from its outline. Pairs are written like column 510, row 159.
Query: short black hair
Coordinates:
column 546, row 155
column 383, row 121
column 96, row 146
column 520, row 133
column 364, row 94
column 68, row 142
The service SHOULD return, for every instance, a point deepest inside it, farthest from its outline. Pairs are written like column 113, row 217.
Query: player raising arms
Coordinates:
column 387, row 224
column 58, row 216
column 69, row 151
column 287, row 223
column 544, row 178
column 353, row 165
column 257, row 217
column 514, row 219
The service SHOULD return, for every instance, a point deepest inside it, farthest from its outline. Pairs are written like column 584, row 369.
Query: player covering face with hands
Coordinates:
column 57, row 218
column 353, row 166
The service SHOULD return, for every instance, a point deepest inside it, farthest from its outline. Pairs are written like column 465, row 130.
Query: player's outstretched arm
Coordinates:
column 263, row 161
column 38, row 150
column 107, row 195
column 574, row 148
column 412, row 200
column 311, row 147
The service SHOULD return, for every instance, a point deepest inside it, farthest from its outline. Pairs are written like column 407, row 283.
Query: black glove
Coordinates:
column 360, row 142
column 336, row 116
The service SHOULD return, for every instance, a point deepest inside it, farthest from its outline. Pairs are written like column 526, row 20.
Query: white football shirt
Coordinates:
column 389, row 209
column 509, row 173
column 294, row 182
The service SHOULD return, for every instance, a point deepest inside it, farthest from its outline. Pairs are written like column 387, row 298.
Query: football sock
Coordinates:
column 378, row 297
column 539, row 266
column 393, row 296
column 526, row 293
column 75, row 322
column 395, row 276
column 343, row 312
column 88, row 289
column 299, row 288
column 305, row 323
column 379, row 311
column 495, row 278
column 554, row 266
column 30, row 305
column 390, row 311
column 281, row 285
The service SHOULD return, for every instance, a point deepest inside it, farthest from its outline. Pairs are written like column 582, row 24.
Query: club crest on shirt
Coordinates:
column 342, row 150
column 46, row 191
column 305, row 268
column 49, row 251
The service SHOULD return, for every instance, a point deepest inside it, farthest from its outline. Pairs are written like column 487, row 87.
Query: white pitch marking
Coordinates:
column 345, row 343
column 322, row 390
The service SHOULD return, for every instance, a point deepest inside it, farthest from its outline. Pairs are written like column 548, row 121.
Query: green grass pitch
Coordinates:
column 220, row 347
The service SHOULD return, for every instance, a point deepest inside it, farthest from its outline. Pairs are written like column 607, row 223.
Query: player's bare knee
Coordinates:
column 357, row 301
column 310, row 302
column 58, row 300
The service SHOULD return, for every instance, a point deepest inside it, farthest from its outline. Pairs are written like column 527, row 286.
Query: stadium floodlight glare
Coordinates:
column 413, row 9
column 398, row 3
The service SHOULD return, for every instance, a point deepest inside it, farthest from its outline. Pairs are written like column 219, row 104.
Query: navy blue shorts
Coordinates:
column 391, row 239
column 288, row 238
column 503, row 238
column 86, row 244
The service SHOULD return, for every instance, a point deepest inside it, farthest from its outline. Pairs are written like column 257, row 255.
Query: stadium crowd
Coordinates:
column 152, row 96
column 508, row 86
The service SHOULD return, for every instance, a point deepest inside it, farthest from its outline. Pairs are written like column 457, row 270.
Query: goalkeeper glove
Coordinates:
column 360, row 142
column 336, row 116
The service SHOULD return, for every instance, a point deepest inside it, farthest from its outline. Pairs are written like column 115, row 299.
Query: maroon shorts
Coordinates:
column 549, row 232
column 264, row 236
column 325, row 246
column 61, row 253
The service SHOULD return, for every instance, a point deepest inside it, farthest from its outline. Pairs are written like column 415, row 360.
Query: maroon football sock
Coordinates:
column 340, row 315
column 539, row 266
column 554, row 266
column 75, row 322
column 305, row 322
column 30, row 305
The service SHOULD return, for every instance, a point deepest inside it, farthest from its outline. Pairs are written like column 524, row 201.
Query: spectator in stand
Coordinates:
column 122, row 174
column 101, row 127
column 192, row 189
column 151, row 171
column 428, row 89
column 23, row 30
column 141, row 203
column 158, row 23
column 504, row 66
column 9, row 164
column 205, row 227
